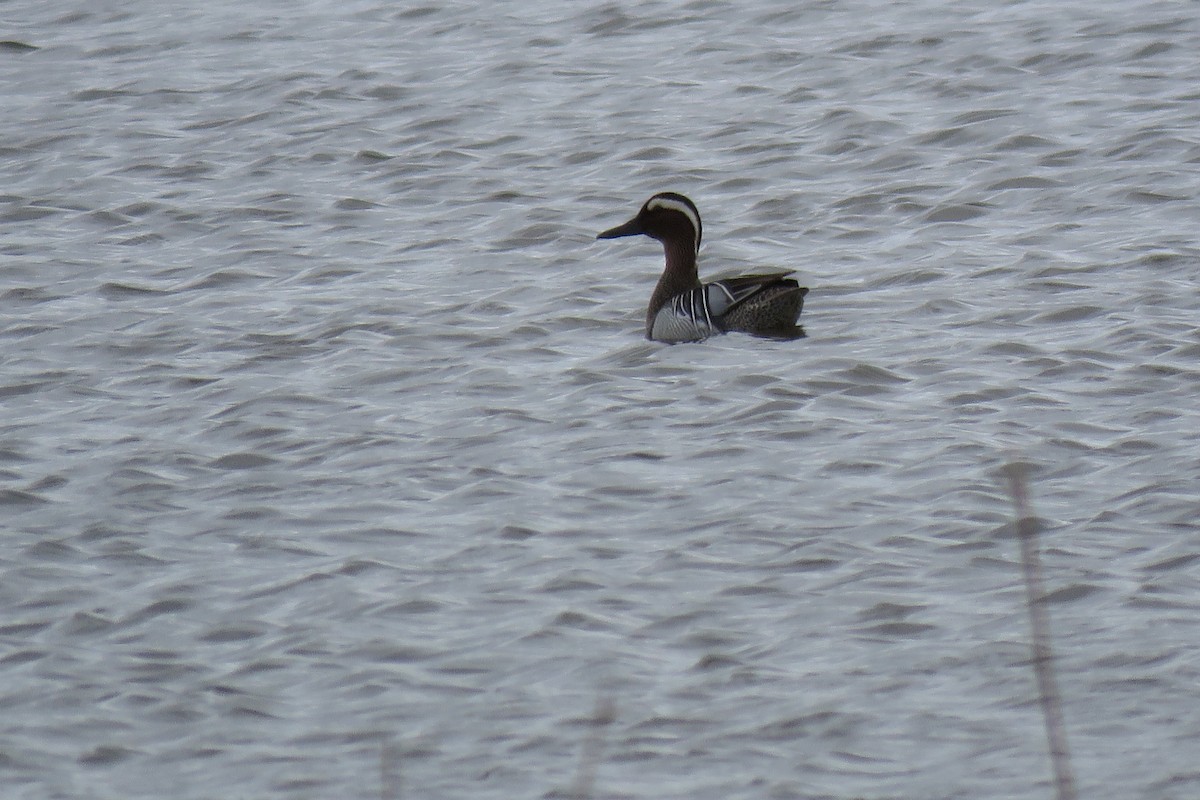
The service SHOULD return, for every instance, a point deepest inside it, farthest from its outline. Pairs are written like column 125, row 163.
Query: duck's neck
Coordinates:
column 679, row 276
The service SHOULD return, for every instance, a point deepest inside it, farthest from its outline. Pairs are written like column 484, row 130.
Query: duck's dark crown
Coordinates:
column 667, row 216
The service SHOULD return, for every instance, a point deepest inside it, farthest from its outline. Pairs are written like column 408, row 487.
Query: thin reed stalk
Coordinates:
column 389, row 770
column 1039, row 623
column 593, row 749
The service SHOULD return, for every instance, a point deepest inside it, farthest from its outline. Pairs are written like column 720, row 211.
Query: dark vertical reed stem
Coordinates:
column 389, row 770
column 1043, row 658
column 593, row 748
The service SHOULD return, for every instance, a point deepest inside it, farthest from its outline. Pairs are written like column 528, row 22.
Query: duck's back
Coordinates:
column 762, row 305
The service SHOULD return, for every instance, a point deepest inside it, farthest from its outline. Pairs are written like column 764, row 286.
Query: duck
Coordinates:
column 682, row 309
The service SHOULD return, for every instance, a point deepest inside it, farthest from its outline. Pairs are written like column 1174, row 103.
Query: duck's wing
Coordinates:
column 726, row 293
column 764, row 305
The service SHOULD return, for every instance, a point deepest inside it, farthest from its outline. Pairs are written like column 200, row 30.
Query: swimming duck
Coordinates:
column 682, row 309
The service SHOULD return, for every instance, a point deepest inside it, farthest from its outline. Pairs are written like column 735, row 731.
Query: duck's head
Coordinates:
column 668, row 217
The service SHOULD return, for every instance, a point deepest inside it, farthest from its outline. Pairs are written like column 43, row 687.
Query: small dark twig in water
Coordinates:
column 593, row 748
column 1043, row 659
column 17, row 47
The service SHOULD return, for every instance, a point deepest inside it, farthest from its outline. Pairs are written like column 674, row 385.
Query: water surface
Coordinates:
column 329, row 431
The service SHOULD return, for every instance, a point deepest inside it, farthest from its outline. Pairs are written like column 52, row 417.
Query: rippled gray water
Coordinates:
column 334, row 462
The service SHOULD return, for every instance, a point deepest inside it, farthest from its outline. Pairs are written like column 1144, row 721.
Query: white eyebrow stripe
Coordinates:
column 683, row 208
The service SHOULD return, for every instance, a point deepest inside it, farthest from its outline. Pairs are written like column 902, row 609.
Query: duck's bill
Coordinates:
column 631, row 228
